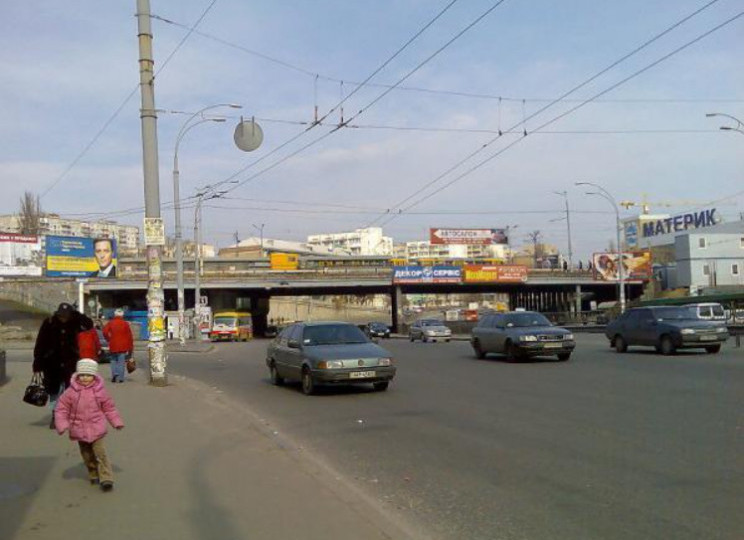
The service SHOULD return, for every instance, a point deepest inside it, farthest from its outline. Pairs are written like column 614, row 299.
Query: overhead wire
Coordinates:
column 123, row 104
column 398, row 206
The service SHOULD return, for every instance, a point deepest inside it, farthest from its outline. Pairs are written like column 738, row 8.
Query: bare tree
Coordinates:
column 29, row 215
column 536, row 247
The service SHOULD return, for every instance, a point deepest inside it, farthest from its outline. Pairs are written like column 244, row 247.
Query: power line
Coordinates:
column 573, row 109
column 111, row 118
column 453, row 93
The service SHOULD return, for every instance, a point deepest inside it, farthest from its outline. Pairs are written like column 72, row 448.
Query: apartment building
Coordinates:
column 368, row 241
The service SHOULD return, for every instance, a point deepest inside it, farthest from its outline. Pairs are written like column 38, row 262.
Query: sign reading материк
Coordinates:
column 679, row 223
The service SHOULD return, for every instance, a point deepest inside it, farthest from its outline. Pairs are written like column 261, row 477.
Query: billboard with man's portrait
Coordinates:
column 70, row 256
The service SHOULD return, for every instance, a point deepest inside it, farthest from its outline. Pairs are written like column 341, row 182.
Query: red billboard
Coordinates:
column 478, row 273
column 473, row 237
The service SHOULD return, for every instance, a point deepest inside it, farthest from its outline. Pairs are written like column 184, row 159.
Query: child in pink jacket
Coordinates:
column 83, row 409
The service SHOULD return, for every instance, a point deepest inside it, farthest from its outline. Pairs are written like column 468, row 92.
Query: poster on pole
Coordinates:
column 154, row 232
column 20, row 255
column 479, row 237
column 70, row 256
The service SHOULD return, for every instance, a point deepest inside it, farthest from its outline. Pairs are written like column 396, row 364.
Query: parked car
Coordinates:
column 429, row 330
column 709, row 311
column 666, row 328
column 377, row 329
column 519, row 335
column 328, row 353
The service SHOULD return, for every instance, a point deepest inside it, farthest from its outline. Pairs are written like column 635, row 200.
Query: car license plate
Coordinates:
column 707, row 338
column 361, row 374
column 553, row 345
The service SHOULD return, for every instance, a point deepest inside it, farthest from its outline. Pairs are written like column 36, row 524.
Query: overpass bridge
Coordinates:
column 241, row 283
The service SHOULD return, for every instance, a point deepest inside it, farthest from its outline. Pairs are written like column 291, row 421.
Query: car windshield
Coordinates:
column 378, row 326
column 226, row 321
column 527, row 319
column 432, row 322
column 333, row 334
column 675, row 313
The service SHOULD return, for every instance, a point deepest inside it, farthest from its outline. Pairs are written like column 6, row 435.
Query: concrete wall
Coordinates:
column 44, row 295
column 307, row 309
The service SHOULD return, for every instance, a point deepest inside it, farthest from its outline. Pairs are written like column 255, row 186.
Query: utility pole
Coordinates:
column 260, row 230
column 155, row 296
column 564, row 194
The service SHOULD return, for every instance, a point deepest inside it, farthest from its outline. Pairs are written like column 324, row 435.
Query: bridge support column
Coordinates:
column 577, row 299
column 396, row 301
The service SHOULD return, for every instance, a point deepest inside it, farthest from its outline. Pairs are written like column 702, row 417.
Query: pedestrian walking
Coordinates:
column 121, row 344
column 89, row 345
column 56, row 351
column 83, row 409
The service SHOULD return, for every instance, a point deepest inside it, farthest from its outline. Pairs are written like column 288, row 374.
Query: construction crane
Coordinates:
column 645, row 204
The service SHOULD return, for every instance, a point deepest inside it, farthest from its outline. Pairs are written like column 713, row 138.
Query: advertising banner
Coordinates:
column 69, row 256
column 427, row 274
column 480, row 237
column 20, row 255
column 636, row 265
column 478, row 273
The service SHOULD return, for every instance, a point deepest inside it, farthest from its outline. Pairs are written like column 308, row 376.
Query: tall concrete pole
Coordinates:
column 155, row 297
column 197, row 263
column 179, row 250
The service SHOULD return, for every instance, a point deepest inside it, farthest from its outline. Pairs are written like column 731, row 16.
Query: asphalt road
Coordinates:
column 605, row 446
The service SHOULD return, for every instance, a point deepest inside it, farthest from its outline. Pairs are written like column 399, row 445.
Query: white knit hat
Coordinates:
column 87, row 366
column 118, row 312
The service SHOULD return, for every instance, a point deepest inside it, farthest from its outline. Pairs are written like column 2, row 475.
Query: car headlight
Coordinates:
column 568, row 337
column 330, row 364
column 385, row 362
column 527, row 338
column 721, row 329
column 687, row 331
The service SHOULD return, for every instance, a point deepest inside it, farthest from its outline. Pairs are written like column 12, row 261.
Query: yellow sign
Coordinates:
column 284, row 261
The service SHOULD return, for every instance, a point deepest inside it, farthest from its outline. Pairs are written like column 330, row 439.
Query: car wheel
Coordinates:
column 563, row 357
column 512, row 352
column 410, row 336
column 479, row 352
column 620, row 344
column 308, row 384
column 447, row 340
column 424, row 339
column 276, row 380
column 666, row 346
column 380, row 386
column 713, row 349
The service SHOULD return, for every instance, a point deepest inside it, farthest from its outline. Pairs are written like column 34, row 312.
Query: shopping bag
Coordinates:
column 35, row 393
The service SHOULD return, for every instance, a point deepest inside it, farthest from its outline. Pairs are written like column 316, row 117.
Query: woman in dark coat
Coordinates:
column 56, row 349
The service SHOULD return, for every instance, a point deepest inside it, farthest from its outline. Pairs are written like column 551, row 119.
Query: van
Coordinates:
column 231, row 326
column 708, row 311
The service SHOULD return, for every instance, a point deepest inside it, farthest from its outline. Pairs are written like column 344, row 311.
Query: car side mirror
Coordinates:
column 293, row 344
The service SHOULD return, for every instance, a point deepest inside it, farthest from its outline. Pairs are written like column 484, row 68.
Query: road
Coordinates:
column 604, row 446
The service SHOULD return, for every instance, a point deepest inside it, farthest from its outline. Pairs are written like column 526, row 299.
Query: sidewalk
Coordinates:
column 190, row 464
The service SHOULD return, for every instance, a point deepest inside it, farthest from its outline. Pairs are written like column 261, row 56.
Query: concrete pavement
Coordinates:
column 190, row 464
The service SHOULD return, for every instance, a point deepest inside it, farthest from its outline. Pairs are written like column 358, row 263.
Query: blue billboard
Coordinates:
column 70, row 256
column 427, row 274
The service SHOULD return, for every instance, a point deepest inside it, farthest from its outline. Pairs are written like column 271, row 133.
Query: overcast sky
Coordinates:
column 68, row 66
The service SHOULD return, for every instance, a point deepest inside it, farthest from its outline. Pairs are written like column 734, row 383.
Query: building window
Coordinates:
column 701, row 242
column 741, row 242
column 706, row 269
column 735, row 269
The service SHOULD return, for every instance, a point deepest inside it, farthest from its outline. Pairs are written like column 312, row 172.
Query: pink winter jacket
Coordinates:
column 84, row 411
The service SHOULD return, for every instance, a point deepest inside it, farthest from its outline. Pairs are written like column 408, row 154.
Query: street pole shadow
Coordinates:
column 20, row 480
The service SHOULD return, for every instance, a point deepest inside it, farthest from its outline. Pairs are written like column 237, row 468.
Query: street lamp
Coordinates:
column 620, row 268
column 739, row 125
column 185, row 128
column 564, row 194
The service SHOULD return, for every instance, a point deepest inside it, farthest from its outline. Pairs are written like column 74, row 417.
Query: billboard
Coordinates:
column 427, row 274
column 20, row 255
column 480, row 237
column 636, row 265
column 478, row 273
column 70, row 256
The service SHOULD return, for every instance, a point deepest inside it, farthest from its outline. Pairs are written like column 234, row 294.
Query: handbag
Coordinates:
column 131, row 364
column 35, row 393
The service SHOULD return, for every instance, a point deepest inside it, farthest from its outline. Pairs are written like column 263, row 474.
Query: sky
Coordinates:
column 421, row 145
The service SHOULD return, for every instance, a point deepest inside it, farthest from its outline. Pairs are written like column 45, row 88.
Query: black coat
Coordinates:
column 56, row 351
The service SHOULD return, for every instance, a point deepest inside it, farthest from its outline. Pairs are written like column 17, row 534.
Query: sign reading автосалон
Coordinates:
column 682, row 222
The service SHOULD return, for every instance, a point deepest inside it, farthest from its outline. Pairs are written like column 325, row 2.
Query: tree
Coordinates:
column 29, row 216
column 537, row 251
